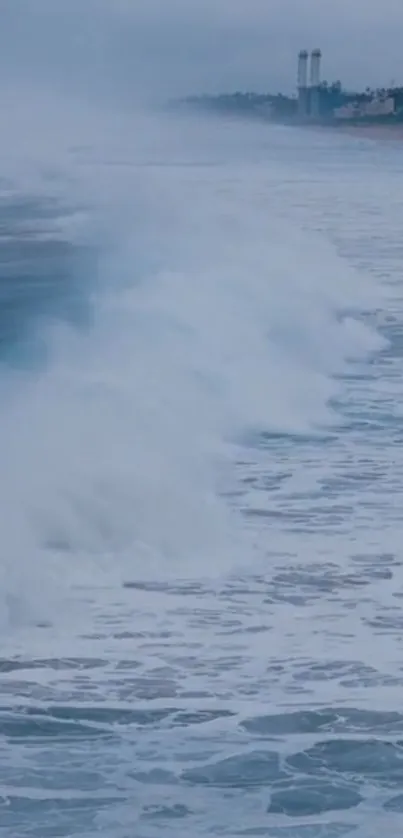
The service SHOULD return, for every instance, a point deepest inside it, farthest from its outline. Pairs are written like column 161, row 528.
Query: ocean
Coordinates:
column 201, row 447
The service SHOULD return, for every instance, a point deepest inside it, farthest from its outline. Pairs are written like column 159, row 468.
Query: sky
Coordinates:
column 158, row 48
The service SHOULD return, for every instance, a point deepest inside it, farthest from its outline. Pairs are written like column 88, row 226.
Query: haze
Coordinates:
column 154, row 48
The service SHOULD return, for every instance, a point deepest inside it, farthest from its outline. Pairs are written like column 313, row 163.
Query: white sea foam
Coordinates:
column 215, row 318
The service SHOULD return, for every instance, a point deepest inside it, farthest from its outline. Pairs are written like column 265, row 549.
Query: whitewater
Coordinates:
column 201, row 457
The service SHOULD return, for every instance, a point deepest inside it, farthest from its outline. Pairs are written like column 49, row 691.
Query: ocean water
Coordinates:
column 201, row 447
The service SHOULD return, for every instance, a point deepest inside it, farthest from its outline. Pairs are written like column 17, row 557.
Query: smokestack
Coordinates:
column 316, row 56
column 303, row 83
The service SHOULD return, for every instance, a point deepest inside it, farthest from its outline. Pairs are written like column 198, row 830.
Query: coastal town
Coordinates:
column 315, row 101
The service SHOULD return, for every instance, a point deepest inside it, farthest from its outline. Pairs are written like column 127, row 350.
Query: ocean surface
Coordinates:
column 201, row 496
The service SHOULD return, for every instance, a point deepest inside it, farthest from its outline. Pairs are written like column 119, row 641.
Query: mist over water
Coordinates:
column 201, row 477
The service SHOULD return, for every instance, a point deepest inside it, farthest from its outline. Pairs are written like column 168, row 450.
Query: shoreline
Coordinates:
column 375, row 132
column 371, row 132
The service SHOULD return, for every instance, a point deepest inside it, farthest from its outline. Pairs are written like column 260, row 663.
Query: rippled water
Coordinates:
column 202, row 493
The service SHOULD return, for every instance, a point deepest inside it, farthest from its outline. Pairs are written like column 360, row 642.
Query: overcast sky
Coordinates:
column 169, row 47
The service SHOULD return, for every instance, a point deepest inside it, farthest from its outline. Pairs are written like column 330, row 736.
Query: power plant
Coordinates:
column 309, row 97
column 317, row 102
column 303, row 104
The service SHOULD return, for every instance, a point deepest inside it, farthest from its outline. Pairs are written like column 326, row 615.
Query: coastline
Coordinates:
column 391, row 131
column 388, row 132
column 375, row 132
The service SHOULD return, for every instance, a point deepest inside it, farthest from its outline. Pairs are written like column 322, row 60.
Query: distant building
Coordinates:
column 303, row 103
column 350, row 111
column 379, row 107
column 375, row 107
column 314, row 92
column 309, row 94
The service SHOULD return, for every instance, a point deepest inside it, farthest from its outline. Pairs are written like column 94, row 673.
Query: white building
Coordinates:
column 376, row 107
column 379, row 107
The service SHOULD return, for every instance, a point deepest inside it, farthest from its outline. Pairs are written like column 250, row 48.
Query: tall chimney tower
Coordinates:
column 314, row 96
column 303, row 83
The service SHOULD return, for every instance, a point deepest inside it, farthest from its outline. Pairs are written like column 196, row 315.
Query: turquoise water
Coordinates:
column 202, row 482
